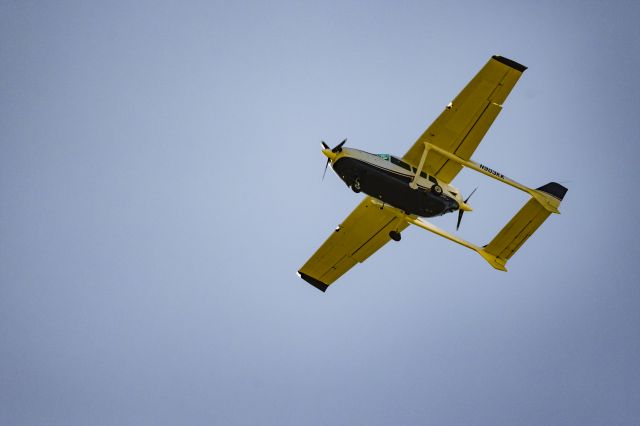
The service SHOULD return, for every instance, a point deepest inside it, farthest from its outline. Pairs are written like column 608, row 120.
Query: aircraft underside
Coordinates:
column 392, row 188
column 419, row 184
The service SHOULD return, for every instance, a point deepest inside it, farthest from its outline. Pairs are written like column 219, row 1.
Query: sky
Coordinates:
column 161, row 184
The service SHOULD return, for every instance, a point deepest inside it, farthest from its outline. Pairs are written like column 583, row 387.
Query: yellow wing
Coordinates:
column 463, row 124
column 361, row 234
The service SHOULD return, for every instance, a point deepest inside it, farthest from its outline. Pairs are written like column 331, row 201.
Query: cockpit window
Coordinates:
column 384, row 156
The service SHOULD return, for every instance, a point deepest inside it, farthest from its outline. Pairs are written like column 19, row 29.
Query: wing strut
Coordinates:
column 413, row 183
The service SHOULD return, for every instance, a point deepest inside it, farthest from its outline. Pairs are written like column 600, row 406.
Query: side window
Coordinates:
column 400, row 163
column 422, row 174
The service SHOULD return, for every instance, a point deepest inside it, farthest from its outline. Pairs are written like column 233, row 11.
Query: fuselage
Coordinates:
column 387, row 179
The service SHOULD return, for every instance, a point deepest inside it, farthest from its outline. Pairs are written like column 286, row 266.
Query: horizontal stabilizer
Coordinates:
column 524, row 223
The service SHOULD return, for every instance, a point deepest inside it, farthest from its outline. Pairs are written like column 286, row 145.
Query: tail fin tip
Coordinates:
column 554, row 189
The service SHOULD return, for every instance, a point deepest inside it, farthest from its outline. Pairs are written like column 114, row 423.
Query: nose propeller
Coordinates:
column 335, row 150
column 461, row 211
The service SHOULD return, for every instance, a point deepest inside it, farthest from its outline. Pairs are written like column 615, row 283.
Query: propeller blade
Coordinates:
column 460, row 213
column 335, row 149
column 465, row 201
column 338, row 147
column 325, row 168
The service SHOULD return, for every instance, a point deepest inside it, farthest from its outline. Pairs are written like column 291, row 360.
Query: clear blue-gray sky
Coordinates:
column 160, row 184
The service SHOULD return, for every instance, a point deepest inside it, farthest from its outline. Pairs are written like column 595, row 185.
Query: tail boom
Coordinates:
column 504, row 245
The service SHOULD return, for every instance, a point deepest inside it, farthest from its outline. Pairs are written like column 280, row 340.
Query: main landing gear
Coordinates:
column 395, row 235
column 355, row 186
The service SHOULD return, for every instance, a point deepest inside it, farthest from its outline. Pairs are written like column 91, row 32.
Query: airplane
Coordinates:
column 399, row 191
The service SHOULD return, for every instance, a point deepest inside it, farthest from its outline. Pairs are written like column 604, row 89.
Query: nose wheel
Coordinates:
column 395, row 235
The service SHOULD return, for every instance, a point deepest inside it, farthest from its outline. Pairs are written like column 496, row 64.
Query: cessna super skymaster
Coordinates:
column 400, row 190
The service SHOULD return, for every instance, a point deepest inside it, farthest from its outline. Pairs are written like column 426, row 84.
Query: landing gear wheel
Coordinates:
column 356, row 186
column 436, row 189
column 395, row 235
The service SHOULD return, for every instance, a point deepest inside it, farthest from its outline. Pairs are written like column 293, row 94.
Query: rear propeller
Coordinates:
column 336, row 149
column 461, row 211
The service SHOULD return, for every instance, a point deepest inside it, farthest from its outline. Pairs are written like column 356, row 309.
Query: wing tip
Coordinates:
column 314, row 282
column 510, row 63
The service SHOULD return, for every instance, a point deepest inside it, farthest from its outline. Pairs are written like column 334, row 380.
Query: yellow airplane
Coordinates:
column 400, row 190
